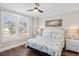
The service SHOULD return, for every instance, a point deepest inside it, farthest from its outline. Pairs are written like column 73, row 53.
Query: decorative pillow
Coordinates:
column 57, row 33
column 48, row 34
column 53, row 32
column 53, row 35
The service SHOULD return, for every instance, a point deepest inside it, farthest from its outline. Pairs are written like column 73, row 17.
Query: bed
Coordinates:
column 51, row 42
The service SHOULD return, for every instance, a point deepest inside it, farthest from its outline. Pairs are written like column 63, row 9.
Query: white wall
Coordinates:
column 36, row 25
column 69, row 19
column 33, row 24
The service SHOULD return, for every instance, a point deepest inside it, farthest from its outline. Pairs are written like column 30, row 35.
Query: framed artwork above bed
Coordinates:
column 54, row 23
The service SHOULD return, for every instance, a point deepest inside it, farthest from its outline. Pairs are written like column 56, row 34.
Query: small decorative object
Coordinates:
column 39, row 31
column 54, row 23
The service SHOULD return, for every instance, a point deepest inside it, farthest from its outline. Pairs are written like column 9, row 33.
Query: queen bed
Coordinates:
column 51, row 42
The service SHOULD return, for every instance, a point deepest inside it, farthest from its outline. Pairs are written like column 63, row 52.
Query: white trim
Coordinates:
column 57, row 13
column 12, row 11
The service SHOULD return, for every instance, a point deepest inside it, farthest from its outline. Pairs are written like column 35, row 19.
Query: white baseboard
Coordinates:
column 17, row 43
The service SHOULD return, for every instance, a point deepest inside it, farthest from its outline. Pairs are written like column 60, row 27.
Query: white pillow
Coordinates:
column 56, row 35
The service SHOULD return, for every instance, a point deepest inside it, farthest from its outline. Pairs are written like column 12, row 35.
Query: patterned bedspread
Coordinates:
column 48, row 45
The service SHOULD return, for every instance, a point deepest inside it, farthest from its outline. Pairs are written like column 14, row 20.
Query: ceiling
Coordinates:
column 48, row 8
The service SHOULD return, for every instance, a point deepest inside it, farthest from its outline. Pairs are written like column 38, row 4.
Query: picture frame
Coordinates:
column 54, row 23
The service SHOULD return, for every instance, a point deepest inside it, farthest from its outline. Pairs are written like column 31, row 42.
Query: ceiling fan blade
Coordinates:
column 41, row 11
column 30, row 10
column 36, row 8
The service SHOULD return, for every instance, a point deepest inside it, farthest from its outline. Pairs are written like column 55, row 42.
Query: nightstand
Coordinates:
column 72, row 44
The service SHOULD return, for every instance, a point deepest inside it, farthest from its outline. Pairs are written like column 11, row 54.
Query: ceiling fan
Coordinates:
column 36, row 8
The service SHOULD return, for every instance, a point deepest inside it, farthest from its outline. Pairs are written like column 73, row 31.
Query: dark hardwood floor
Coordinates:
column 22, row 51
column 69, row 53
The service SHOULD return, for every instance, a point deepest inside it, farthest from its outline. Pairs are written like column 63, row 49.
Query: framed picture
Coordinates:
column 54, row 23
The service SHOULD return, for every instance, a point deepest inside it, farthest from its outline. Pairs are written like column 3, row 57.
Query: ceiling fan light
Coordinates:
column 35, row 10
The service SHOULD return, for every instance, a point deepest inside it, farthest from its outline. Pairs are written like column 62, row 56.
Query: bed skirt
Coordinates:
column 38, row 52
